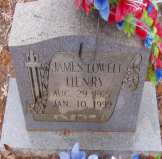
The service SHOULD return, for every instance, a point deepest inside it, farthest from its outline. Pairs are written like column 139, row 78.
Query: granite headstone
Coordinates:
column 77, row 76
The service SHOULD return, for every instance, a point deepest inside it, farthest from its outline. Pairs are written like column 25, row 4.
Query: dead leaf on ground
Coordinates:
column 159, row 89
column 8, row 153
column 5, row 57
column 4, row 3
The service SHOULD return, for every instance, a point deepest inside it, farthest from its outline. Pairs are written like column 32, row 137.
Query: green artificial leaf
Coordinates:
column 129, row 25
column 114, row 2
column 158, row 156
column 146, row 19
column 156, row 50
column 152, row 75
column 155, row 36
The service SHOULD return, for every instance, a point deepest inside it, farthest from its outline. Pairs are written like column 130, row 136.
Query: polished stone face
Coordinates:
column 65, row 86
column 78, row 88
column 97, row 89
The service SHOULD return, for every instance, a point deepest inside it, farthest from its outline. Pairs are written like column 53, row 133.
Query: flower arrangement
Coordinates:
column 76, row 153
column 134, row 17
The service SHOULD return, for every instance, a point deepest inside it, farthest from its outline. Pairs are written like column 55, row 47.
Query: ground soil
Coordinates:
column 5, row 57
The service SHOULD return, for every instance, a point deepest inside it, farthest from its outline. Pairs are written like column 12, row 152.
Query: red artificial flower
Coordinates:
column 84, row 4
column 126, row 7
column 159, row 29
column 153, row 13
column 121, row 11
column 141, row 30
column 160, row 48
column 78, row 3
column 139, row 13
column 146, row 2
column 158, row 63
column 111, row 19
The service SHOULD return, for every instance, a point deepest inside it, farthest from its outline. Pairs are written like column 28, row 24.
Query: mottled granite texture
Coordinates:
column 145, row 139
column 39, row 21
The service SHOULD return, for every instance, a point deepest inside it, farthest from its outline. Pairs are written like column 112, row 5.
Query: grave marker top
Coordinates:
column 38, row 37
column 56, row 19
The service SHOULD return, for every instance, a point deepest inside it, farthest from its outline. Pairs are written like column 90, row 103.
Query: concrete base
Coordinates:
column 145, row 139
